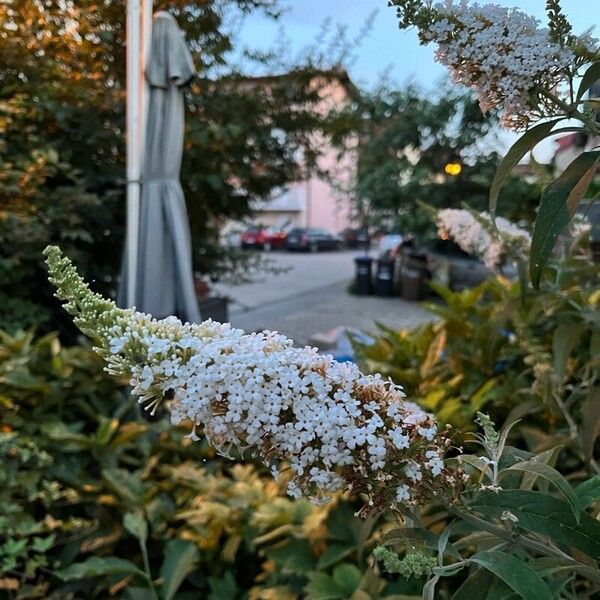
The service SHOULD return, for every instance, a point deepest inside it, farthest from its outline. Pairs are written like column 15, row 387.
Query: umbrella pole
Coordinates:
column 139, row 23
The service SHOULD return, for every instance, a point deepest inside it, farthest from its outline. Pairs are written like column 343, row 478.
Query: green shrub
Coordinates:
column 98, row 502
column 535, row 357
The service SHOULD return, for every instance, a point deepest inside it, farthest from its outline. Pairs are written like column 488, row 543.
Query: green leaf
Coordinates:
column 429, row 588
column 564, row 339
column 588, row 492
column 546, row 472
column 43, row 544
column 515, row 573
column 127, row 485
column 293, row 556
column 544, row 514
column 136, row 593
column 590, row 421
column 181, row 558
column 476, row 585
column 106, row 430
column 334, row 554
column 557, row 207
column 97, row 567
column 136, row 525
column 323, row 587
column 590, row 77
column 500, row 591
column 223, row 587
column 518, row 150
column 347, row 577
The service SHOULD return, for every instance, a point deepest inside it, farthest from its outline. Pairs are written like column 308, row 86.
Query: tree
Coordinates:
column 62, row 180
column 415, row 148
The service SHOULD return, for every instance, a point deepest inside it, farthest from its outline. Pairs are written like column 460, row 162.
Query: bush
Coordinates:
column 98, row 502
column 490, row 349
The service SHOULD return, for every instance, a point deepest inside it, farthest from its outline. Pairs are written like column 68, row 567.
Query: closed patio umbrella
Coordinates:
column 164, row 282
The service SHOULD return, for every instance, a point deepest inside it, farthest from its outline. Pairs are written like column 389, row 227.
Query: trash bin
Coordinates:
column 412, row 284
column 363, row 275
column 215, row 308
column 384, row 284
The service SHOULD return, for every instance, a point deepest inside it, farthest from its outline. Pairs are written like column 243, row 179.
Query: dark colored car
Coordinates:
column 456, row 268
column 312, row 240
column 265, row 238
column 356, row 238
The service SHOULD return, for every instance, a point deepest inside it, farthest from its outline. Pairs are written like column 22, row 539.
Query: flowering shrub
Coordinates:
column 81, row 471
column 501, row 53
column 465, row 494
column 529, row 75
column 476, row 235
column 336, row 428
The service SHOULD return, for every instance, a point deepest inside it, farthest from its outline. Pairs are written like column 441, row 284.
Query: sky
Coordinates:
column 387, row 48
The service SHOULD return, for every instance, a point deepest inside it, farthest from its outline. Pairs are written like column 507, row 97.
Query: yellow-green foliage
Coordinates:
column 87, row 486
column 454, row 366
column 490, row 349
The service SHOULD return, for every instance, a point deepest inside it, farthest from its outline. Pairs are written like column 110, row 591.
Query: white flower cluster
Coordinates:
column 324, row 423
column 501, row 53
column 580, row 227
column 476, row 235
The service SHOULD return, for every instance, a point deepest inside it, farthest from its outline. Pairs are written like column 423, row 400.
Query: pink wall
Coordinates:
column 317, row 202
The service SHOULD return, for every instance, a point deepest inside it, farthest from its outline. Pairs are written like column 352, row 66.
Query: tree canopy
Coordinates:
column 414, row 147
column 62, row 124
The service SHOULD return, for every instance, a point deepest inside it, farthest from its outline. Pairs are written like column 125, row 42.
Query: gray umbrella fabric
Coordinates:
column 164, row 283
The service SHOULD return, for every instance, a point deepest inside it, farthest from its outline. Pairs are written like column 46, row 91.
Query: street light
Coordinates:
column 453, row 168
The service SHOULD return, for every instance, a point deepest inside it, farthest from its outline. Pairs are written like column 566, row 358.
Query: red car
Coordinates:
column 265, row 238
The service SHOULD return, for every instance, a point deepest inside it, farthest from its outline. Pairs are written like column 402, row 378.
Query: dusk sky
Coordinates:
column 386, row 47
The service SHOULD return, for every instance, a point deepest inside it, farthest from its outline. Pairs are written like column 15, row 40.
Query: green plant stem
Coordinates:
column 571, row 111
column 147, row 570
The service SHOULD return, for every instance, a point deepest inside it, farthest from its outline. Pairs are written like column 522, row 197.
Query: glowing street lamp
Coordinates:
column 453, row 168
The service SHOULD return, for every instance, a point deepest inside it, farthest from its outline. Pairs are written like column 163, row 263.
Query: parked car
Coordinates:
column 265, row 238
column 455, row 268
column 312, row 240
column 390, row 244
column 356, row 238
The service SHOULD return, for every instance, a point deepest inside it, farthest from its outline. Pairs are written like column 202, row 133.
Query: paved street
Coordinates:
column 312, row 297
column 305, row 272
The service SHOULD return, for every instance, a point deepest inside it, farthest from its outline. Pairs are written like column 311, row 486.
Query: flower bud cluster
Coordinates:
column 501, row 53
column 324, row 423
column 475, row 234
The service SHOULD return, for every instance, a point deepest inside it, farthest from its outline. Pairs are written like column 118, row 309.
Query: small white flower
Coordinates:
column 413, row 471
column 146, row 378
column 427, row 432
column 399, row 439
column 402, row 493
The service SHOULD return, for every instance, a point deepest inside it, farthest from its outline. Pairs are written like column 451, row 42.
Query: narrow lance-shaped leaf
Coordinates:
column 477, row 584
column 558, row 205
column 97, row 567
column 515, row 573
column 588, row 492
column 531, row 138
column 545, row 515
column 549, row 474
column 589, row 78
column 590, row 422
column 564, row 339
column 136, row 525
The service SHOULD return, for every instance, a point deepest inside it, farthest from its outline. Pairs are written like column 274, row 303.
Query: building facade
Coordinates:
column 316, row 201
